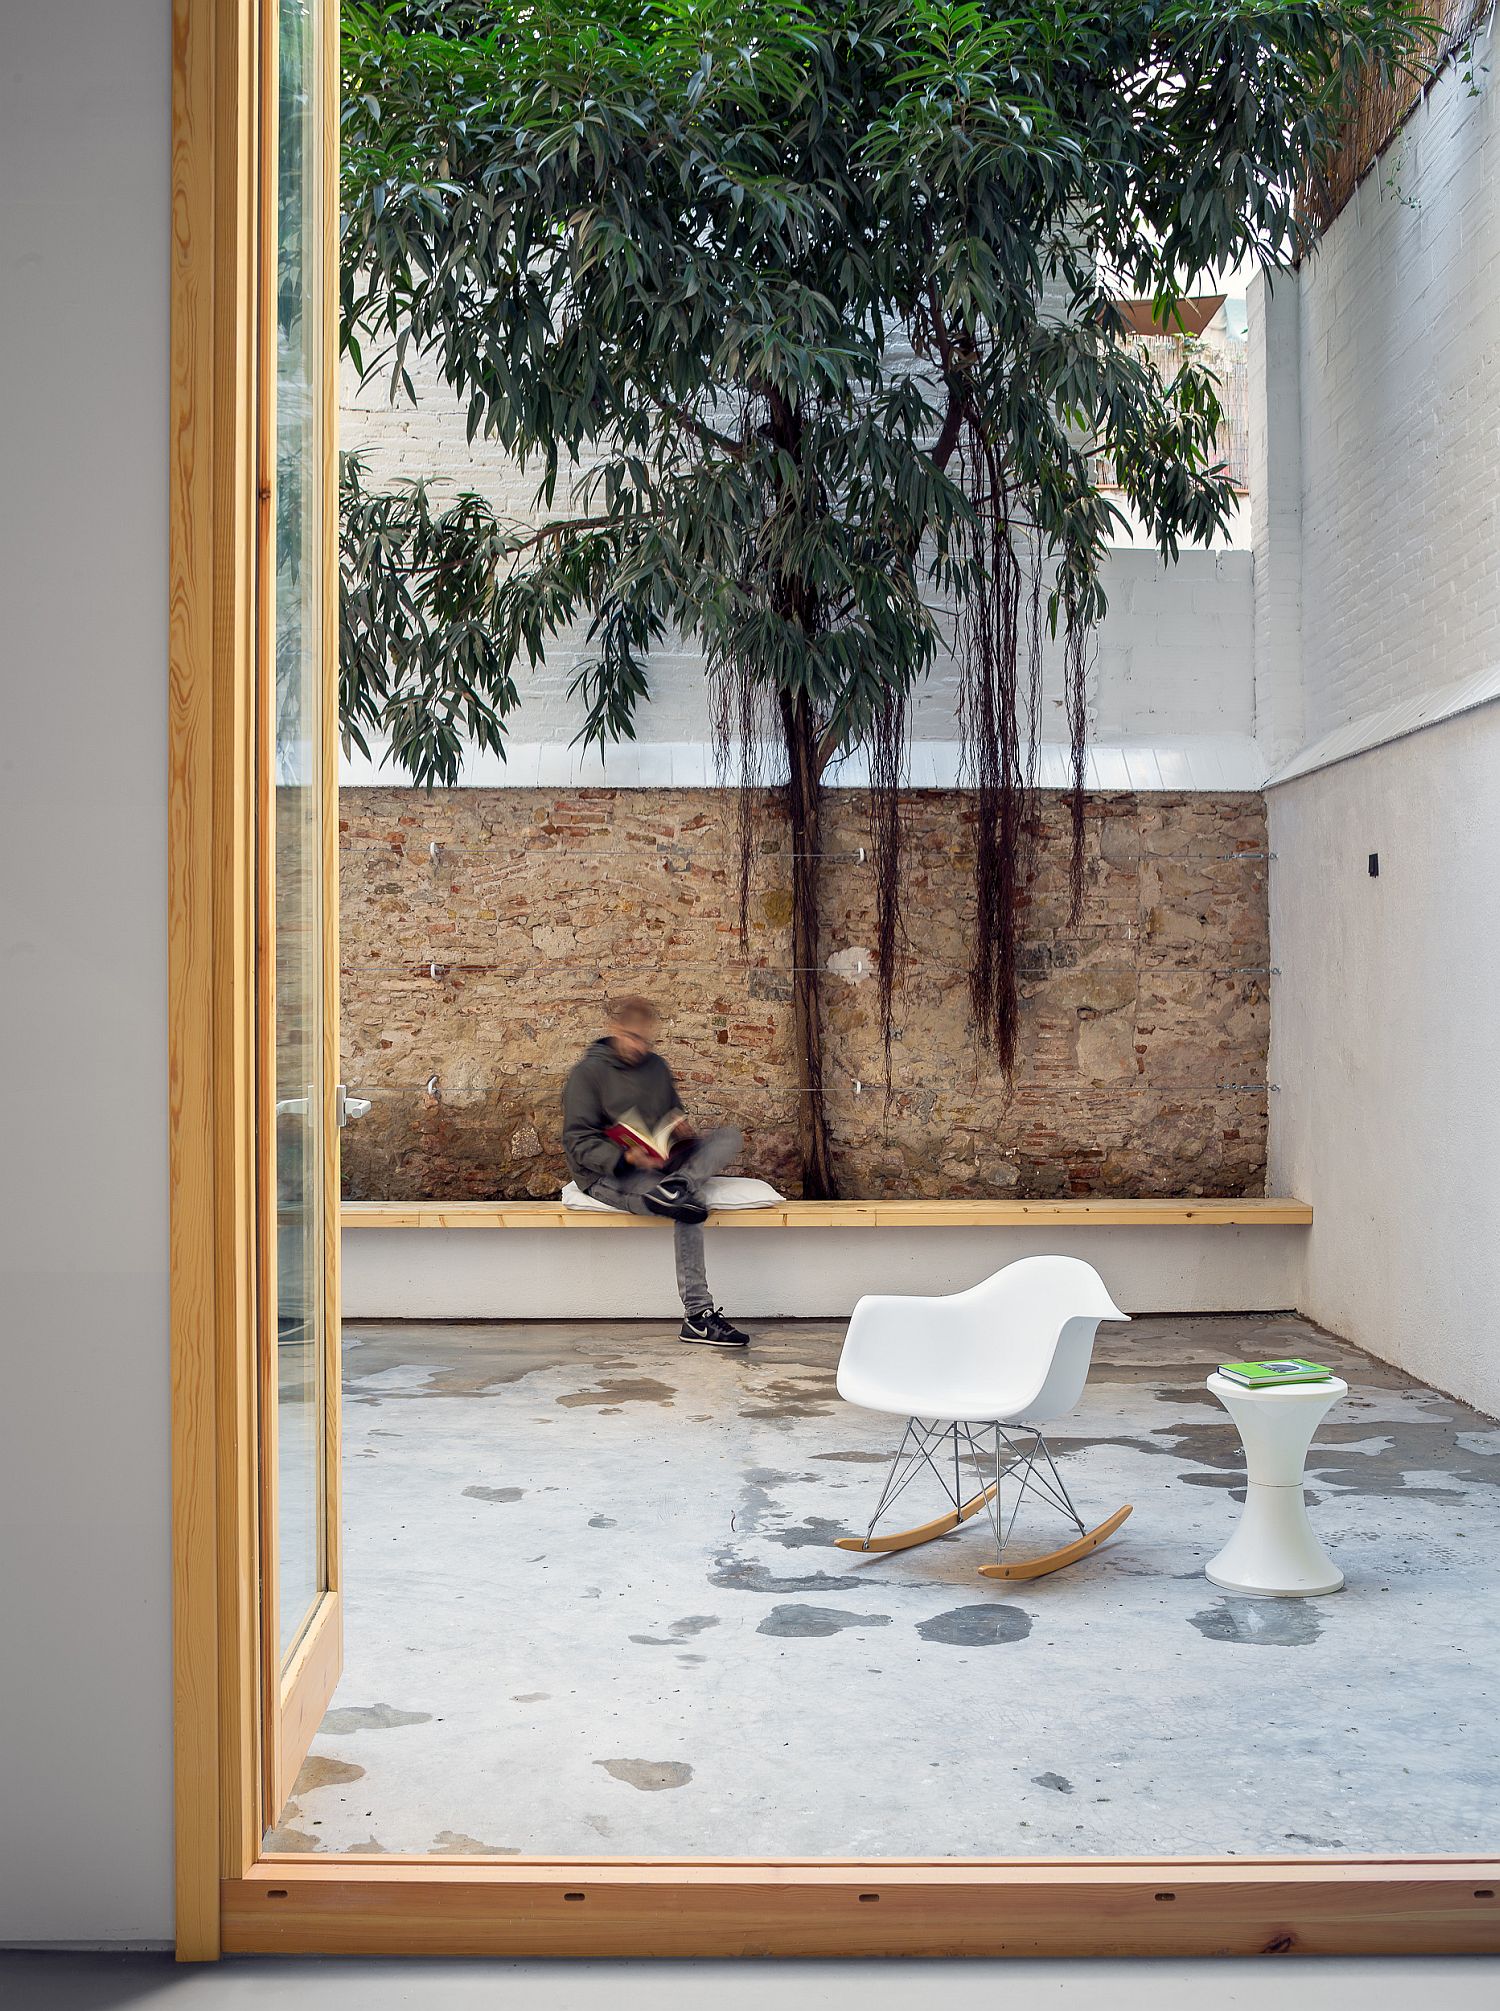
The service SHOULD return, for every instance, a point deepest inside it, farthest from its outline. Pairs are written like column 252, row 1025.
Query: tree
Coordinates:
column 805, row 315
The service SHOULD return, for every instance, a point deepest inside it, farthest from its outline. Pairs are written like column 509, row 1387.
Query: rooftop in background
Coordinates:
column 1212, row 326
column 1190, row 317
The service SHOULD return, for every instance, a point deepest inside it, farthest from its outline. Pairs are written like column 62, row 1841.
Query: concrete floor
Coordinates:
column 153, row 1983
column 593, row 1608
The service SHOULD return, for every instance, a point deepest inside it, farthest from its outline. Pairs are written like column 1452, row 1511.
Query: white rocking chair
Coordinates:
column 980, row 1372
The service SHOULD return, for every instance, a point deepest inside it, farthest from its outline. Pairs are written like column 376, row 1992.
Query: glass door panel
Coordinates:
column 296, row 782
column 298, row 907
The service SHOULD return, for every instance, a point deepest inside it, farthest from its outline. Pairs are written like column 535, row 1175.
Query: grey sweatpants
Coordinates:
column 712, row 1152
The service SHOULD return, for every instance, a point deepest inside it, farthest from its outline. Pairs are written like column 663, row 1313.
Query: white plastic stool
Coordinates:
column 1273, row 1551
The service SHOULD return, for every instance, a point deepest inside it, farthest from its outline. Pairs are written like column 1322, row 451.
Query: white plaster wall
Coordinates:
column 85, row 1625
column 1385, row 1039
column 474, row 1274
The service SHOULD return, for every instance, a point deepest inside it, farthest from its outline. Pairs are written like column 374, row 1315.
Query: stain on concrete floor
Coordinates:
column 813, row 1623
column 679, row 1631
column 453, row 1843
column 613, row 1391
column 320, row 1771
column 675, row 1508
column 370, row 1718
column 816, row 1533
column 740, row 1574
column 977, row 1626
column 1261, row 1623
column 651, row 1776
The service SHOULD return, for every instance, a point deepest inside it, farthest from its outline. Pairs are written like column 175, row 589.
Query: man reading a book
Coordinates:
column 630, row 1144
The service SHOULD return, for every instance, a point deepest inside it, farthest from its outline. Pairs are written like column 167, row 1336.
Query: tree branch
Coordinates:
column 561, row 527
column 691, row 423
column 947, row 439
column 948, row 356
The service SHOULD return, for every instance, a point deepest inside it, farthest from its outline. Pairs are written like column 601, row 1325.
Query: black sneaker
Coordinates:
column 675, row 1198
column 712, row 1330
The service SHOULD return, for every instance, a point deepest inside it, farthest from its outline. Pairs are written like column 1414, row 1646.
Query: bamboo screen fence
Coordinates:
column 1381, row 104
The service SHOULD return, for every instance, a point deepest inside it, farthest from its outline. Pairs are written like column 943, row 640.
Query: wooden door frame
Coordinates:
column 295, row 1692
column 230, row 1896
column 217, row 1750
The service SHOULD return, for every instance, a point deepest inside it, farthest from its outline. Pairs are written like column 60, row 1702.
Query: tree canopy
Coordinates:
column 805, row 316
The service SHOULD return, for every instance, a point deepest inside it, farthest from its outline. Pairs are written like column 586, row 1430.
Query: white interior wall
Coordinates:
column 1385, row 1042
column 1384, row 1019
column 85, row 1637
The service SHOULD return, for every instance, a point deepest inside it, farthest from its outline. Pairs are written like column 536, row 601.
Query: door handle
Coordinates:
column 347, row 1107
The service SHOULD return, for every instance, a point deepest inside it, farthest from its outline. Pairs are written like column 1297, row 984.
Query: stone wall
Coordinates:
column 474, row 976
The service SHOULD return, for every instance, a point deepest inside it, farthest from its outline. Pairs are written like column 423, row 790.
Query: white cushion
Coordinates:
column 725, row 1190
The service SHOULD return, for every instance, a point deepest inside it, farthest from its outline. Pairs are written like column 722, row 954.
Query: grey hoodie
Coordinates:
column 600, row 1090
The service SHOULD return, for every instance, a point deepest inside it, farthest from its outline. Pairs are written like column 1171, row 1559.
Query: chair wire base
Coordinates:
column 991, row 1450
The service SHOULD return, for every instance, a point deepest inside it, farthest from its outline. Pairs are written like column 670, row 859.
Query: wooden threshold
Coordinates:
column 1252, row 1212
column 687, row 1908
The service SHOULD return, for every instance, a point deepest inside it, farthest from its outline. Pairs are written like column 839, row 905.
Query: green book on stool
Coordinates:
column 1273, row 1375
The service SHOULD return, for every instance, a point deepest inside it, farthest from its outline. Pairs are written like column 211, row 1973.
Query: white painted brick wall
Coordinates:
column 1275, row 399
column 1173, row 658
column 1400, row 389
column 1386, row 1116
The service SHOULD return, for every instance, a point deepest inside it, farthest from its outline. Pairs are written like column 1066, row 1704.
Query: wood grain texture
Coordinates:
column 922, row 1532
column 330, row 92
column 1044, row 1907
column 309, row 1680
column 214, row 1718
column 1251, row 1213
column 241, row 1822
column 190, row 981
column 262, row 365
column 1058, row 1560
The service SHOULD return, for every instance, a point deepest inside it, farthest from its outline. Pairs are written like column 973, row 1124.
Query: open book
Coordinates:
column 633, row 1129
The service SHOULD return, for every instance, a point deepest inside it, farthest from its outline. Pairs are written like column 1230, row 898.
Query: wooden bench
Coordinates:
column 1252, row 1212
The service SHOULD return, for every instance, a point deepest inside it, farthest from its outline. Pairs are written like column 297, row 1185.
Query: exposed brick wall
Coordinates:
column 539, row 903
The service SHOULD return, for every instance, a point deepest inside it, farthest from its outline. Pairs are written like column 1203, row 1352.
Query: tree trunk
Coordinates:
column 804, row 787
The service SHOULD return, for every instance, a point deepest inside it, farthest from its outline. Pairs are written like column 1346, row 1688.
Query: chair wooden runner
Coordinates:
column 926, row 1446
